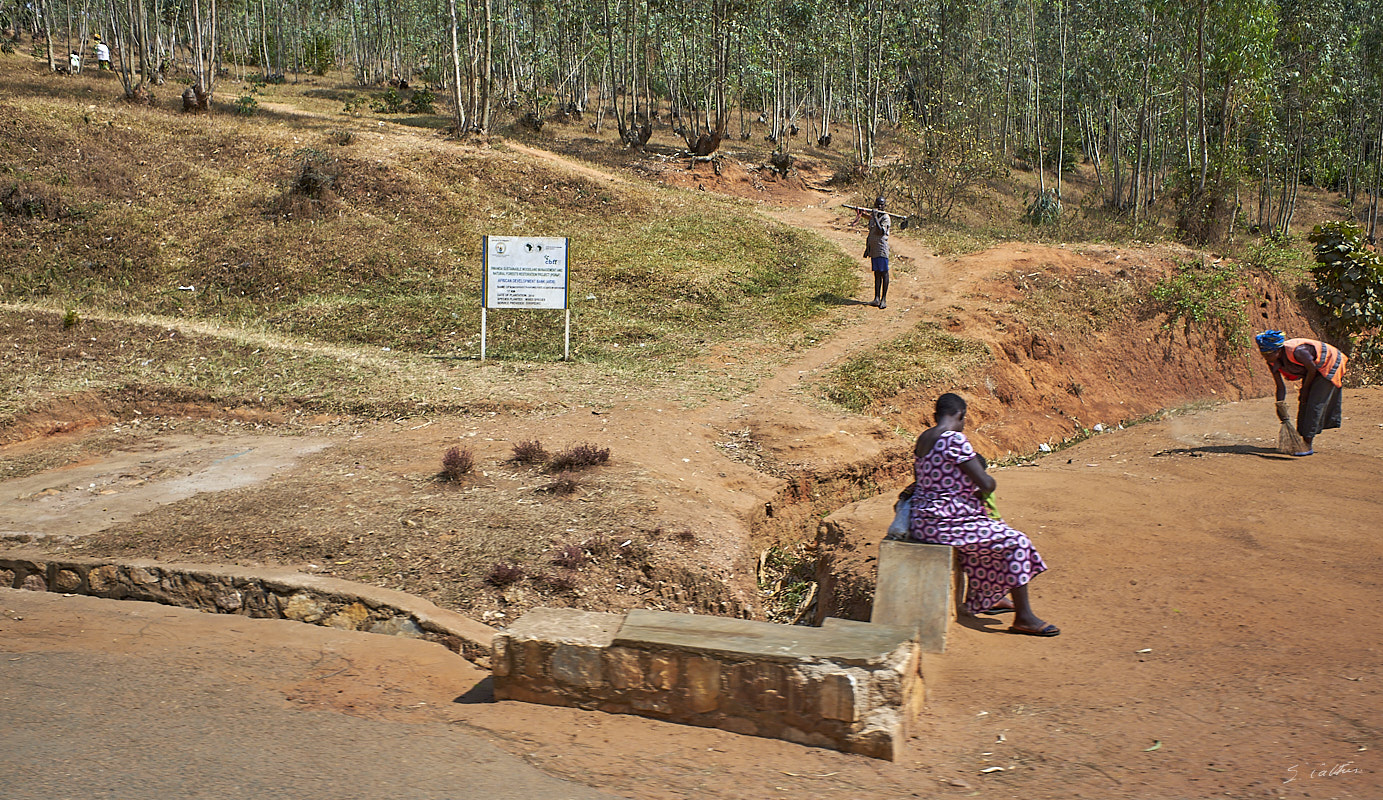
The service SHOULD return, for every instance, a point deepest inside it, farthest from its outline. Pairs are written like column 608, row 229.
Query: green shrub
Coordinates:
column 1044, row 209
column 391, row 102
column 319, row 53
column 246, row 105
column 1200, row 293
column 422, row 102
column 1349, row 285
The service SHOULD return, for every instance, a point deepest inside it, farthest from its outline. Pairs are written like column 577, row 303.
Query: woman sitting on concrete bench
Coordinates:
column 950, row 506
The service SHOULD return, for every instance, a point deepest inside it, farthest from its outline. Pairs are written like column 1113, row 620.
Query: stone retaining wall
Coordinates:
column 848, row 686
column 272, row 594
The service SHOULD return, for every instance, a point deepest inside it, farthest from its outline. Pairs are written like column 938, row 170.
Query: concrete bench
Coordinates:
column 919, row 587
column 851, row 686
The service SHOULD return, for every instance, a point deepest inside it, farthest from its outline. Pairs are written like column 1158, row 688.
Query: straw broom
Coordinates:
column 1289, row 442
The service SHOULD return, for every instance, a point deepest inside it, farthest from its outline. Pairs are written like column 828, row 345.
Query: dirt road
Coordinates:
column 1215, row 601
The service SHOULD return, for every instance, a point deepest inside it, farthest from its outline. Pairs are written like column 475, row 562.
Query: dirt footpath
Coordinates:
column 1215, row 600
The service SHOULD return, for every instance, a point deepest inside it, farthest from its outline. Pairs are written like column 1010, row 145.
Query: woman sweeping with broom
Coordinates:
column 1321, row 370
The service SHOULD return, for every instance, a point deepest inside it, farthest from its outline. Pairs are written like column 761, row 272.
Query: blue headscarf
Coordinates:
column 1270, row 341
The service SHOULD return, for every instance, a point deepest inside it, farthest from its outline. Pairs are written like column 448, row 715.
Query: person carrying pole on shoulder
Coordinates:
column 1320, row 368
column 876, row 249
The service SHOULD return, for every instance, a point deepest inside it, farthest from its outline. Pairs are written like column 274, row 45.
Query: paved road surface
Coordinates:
column 107, row 699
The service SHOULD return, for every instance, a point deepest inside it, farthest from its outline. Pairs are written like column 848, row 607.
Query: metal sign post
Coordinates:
column 524, row 272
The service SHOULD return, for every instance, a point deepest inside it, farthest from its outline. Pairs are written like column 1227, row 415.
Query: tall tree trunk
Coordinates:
column 459, row 111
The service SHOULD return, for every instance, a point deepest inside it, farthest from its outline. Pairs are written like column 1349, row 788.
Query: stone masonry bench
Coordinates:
column 851, row 686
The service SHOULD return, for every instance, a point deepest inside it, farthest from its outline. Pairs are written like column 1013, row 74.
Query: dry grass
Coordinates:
column 924, row 356
column 387, row 255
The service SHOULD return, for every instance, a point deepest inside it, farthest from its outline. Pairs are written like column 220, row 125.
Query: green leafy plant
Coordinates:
column 70, row 319
column 1044, row 209
column 1200, row 293
column 246, row 105
column 1349, row 285
column 391, row 102
column 319, row 53
column 422, row 102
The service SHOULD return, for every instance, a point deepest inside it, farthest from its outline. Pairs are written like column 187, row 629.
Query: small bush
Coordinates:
column 341, row 136
column 1200, row 293
column 579, row 457
column 457, row 462
column 1045, row 209
column 563, row 484
column 529, row 453
column 391, row 102
column 422, row 102
column 1349, row 287
column 70, row 319
column 570, row 556
column 245, row 105
column 353, row 106
column 319, row 53
column 503, row 574
column 316, row 176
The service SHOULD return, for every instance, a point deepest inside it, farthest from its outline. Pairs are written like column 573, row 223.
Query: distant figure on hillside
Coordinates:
column 952, row 504
column 102, row 53
column 1321, row 370
column 876, row 249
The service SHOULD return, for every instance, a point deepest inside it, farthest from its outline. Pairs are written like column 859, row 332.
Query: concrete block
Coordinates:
column 741, row 639
column 917, row 590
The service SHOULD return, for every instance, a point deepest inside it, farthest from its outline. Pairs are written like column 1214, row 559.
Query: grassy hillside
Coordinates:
column 352, row 232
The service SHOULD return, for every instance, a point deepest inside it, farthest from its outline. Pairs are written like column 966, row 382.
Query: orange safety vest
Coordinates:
column 1329, row 359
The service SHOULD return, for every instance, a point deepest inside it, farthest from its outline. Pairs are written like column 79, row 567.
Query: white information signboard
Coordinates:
column 524, row 272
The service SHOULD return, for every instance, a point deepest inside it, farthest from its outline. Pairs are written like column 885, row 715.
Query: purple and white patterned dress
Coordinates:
column 946, row 510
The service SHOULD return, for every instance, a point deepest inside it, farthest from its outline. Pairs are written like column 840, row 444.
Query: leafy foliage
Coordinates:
column 940, row 168
column 246, row 105
column 1349, row 285
column 1200, row 293
column 1045, row 209
column 319, row 52
column 422, row 102
column 391, row 102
